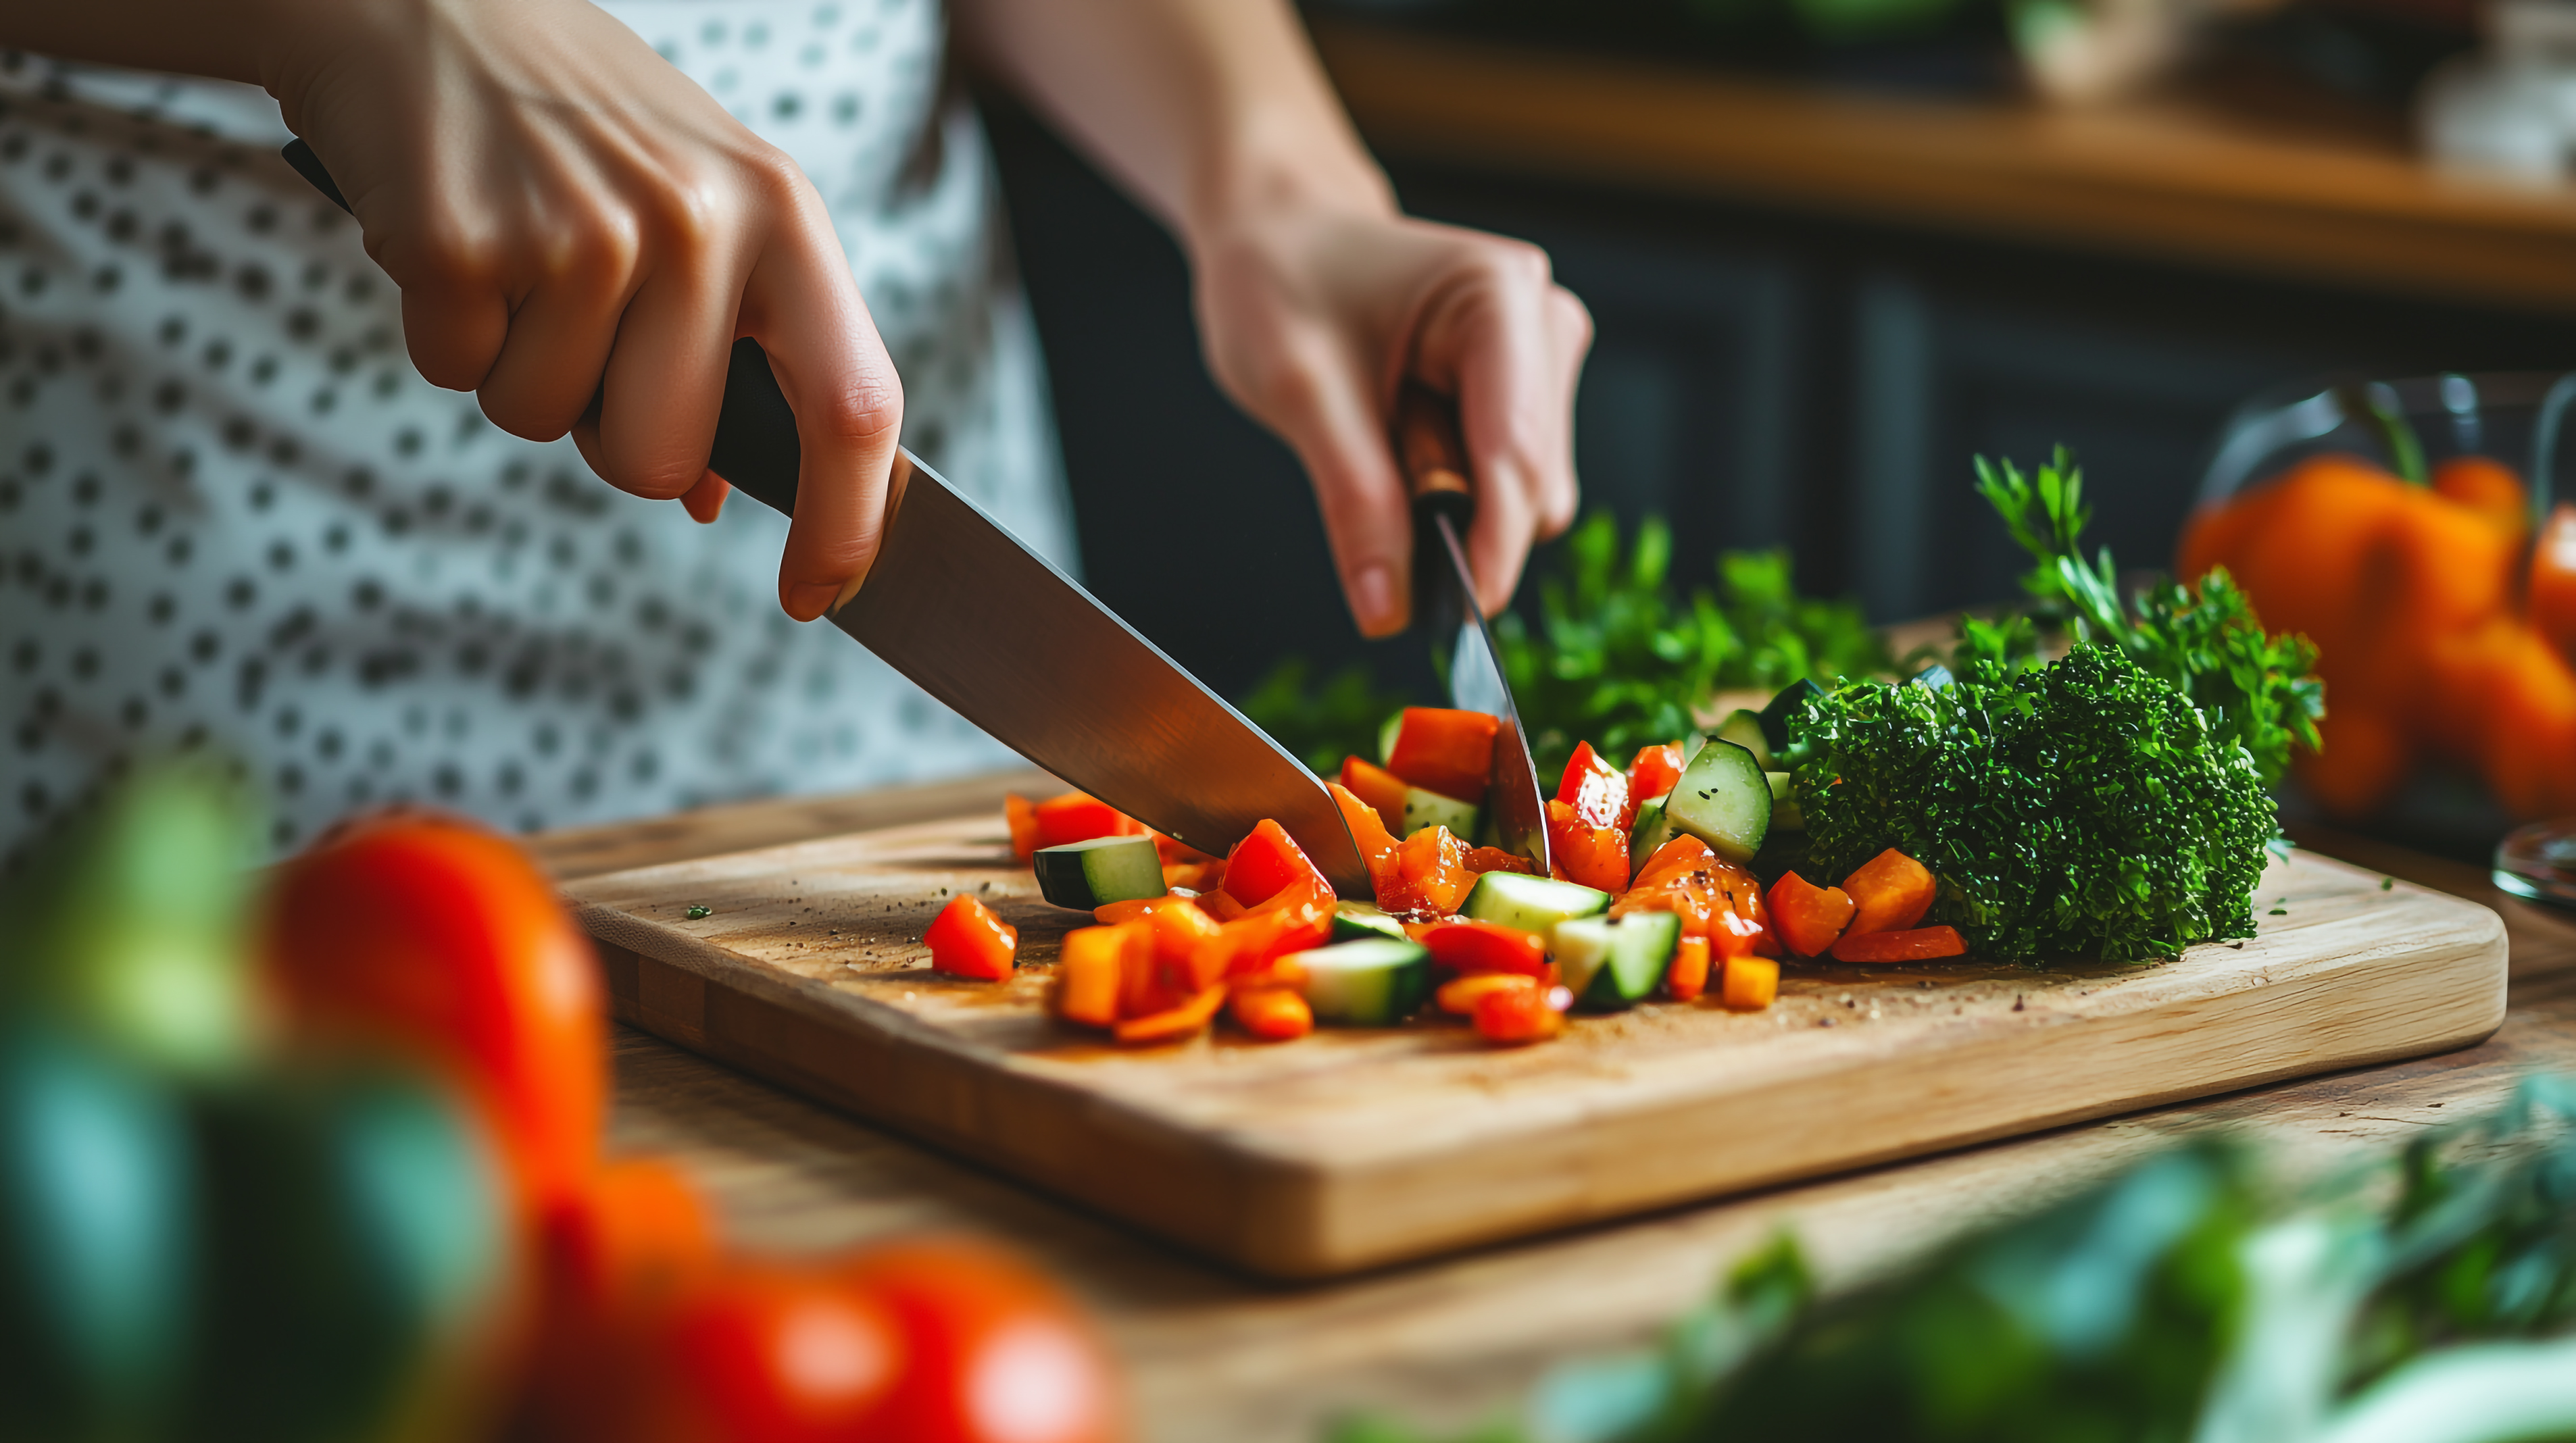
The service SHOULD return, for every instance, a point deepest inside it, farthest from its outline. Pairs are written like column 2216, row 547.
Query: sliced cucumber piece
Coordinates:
column 1533, row 904
column 1775, row 717
column 1386, row 738
column 1370, row 983
column 1784, row 802
column 1579, row 946
column 1744, row 728
column 1430, row 809
column 1723, row 800
column 1635, row 953
column 1100, row 871
column 1653, row 829
column 1359, row 922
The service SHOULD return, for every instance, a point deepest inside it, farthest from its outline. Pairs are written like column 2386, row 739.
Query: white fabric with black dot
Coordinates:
column 232, row 516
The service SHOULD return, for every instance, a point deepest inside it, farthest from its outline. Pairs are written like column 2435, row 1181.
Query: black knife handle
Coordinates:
column 755, row 445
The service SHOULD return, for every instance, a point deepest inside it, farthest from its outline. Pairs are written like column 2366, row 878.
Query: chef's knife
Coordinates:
column 972, row 616
column 1444, row 589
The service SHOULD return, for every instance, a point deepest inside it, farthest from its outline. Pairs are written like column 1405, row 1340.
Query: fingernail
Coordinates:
column 1373, row 596
column 807, row 599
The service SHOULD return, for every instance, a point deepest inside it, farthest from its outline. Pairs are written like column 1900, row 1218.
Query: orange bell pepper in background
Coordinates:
column 968, row 940
column 1091, row 971
column 1890, row 891
column 1750, row 984
column 1431, row 873
column 1021, row 816
column 1468, row 946
column 1266, row 863
column 1076, row 817
column 1519, row 1014
column 1374, row 785
column 1445, row 751
column 2550, row 600
column 1172, row 1023
column 1592, row 854
column 2488, row 489
column 1652, row 774
column 1687, row 978
column 1807, row 917
column 1922, row 944
column 1481, row 860
column 1596, row 791
column 1368, row 829
column 1273, row 1014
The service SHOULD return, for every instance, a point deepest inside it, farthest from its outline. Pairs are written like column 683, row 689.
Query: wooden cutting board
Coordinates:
column 1350, row 1148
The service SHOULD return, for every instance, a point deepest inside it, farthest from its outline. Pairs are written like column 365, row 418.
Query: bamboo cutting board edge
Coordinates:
column 1272, row 1205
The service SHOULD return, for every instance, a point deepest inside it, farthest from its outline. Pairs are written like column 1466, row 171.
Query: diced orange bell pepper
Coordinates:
column 1481, row 860
column 1145, row 986
column 1597, row 791
column 1273, row 1014
column 1750, row 983
column 1519, row 1014
column 1731, row 934
column 1264, row 863
column 1172, row 1024
column 1687, row 978
column 1444, row 751
column 1890, row 892
column 1595, row 856
column 1467, row 946
column 1219, row 904
column 1431, row 872
column 1110, row 914
column 1675, row 858
column 1087, row 975
column 1652, row 774
column 1180, row 931
column 1922, row 944
column 1197, row 876
column 1296, row 919
column 967, row 940
column 1368, row 830
column 1460, row 994
column 1381, row 790
column 1807, row 917
column 2488, row 487
column 1076, row 817
column 1022, row 817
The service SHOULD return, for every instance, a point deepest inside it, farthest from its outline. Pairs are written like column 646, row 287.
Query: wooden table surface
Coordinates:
column 1212, row 1355
column 2163, row 179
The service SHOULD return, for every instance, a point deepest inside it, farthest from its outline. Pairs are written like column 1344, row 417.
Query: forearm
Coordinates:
column 218, row 38
column 1207, row 110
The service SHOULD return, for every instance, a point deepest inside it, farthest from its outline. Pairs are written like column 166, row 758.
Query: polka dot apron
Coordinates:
column 233, row 517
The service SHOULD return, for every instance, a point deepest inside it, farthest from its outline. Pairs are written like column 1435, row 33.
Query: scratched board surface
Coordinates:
column 1353, row 1148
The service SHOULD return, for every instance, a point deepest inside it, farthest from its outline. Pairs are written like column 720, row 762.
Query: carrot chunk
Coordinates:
column 1890, row 891
column 1751, row 983
column 1688, row 976
column 1087, row 975
column 1808, row 917
column 1273, row 1014
column 1922, row 944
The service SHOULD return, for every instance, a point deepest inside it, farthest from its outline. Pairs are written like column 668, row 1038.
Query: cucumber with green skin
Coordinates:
column 1085, row 875
column 1744, row 728
column 1361, row 922
column 1377, row 982
column 1724, row 800
column 1785, row 815
column 1611, row 964
column 1533, row 904
column 1775, row 717
column 1430, row 809
column 1653, row 829
column 1386, row 734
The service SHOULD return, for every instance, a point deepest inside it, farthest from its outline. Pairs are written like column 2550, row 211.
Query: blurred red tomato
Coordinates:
column 997, row 1354
column 763, row 1353
column 430, row 934
column 615, row 1263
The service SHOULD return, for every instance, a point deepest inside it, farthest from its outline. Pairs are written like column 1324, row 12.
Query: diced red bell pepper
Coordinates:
column 1485, row 947
column 1921, row 944
column 1444, row 751
column 1273, row 1014
column 967, row 940
column 1807, row 917
column 1381, row 789
column 1145, row 986
column 1892, row 892
column 1597, row 791
column 1266, row 863
column 1596, row 856
column 1368, row 829
column 1652, row 774
column 1481, row 860
column 1432, row 875
column 1172, row 1024
column 1521, row 1014
column 1687, row 978
column 1178, row 932
column 1731, row 934
column 1460, row 994
column 1677, row 857
column 1750, row 984
column 1076, row 817
column 1022, row 817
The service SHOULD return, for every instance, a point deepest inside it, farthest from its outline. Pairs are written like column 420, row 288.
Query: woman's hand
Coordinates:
column 1313, row 316
column 571, row 218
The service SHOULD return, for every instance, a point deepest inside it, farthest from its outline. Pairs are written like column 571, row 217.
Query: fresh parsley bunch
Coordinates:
column 2081, row 809
column 2257, row 690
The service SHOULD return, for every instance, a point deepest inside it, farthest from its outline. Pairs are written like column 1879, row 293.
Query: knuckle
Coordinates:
column 866, row 412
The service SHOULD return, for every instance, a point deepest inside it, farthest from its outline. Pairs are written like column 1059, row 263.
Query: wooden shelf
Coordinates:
column 2163, row 181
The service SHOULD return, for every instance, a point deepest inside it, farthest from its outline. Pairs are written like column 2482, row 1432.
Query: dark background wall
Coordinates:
column 1758, row 379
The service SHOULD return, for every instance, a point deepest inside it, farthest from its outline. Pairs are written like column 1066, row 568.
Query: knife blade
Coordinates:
column 1462, row 644
column 971, row 615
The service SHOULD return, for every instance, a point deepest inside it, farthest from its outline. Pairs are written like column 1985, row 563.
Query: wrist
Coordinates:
column 1271, row 173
